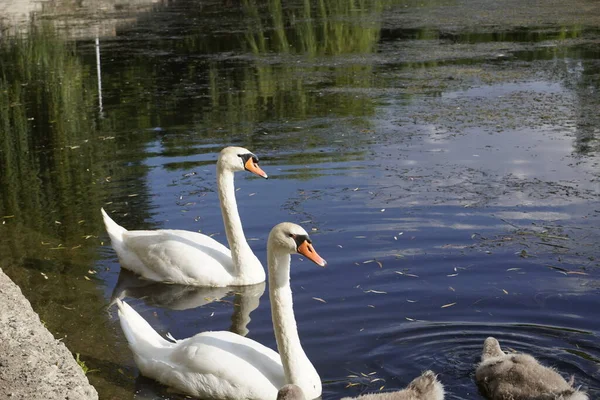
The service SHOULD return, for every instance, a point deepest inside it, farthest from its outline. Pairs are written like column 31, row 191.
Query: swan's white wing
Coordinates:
column 226, row 366
column 181, row 256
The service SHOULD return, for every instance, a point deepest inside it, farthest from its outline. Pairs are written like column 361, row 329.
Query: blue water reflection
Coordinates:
column 449, row 177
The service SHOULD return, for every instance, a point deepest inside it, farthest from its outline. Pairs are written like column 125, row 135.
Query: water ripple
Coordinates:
column 452, row 349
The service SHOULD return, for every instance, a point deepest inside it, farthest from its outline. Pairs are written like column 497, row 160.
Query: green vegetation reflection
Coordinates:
column 54, row 165
column 310, row 84
column 315, row 27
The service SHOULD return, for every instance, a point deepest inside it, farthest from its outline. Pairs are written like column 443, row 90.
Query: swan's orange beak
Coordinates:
column 253, row 167
column 307, row 250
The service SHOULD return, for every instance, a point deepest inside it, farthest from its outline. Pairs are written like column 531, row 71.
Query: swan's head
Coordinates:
column 293, row 239
column 240, row 159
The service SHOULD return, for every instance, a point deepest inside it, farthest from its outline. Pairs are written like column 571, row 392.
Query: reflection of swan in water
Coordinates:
column 181, row 297
column 520, row 377
column 424, row 387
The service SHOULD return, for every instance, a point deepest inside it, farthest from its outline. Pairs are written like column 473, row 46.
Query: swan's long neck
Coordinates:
column 297, row 367
column 240, row 250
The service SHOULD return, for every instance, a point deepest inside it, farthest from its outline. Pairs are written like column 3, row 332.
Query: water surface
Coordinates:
column 446, row 168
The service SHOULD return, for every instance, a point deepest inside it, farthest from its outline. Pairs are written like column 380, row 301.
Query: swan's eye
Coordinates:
column 248, row 156
column 292, row 235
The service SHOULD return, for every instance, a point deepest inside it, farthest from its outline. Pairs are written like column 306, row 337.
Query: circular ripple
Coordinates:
column 453, row 350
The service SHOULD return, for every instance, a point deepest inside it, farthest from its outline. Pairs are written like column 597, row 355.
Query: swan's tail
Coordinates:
column 115, row 231
column 143, row 340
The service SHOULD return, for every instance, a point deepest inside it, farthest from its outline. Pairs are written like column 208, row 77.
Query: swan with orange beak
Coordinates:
column 192, row 258
column 223, row 365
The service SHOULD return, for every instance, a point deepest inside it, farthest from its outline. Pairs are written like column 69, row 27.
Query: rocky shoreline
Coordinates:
column 33, row 364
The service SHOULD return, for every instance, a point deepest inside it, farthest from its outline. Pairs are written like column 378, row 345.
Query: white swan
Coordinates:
column 223, row 365
column 424, row 387
column 191, row 258
column 520, row 377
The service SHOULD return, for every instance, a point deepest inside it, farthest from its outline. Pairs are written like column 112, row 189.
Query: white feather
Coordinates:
column 191, row 258
column 224, row 365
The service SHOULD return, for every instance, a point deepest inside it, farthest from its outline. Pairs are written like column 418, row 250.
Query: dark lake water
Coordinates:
column 443, row 156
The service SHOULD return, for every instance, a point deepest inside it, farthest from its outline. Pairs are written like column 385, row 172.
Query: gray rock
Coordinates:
column 33, row 364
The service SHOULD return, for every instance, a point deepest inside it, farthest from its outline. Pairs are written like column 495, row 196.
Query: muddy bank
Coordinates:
column 33, row 364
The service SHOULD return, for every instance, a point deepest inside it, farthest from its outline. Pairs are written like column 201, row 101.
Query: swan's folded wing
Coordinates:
column 233, row 360
column 179, row 255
